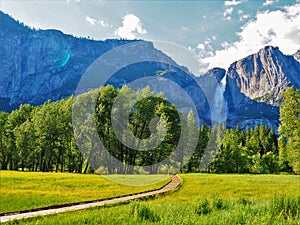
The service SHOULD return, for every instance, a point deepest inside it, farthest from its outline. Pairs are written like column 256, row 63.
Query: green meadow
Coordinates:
column 28, row 190
column 201, row 199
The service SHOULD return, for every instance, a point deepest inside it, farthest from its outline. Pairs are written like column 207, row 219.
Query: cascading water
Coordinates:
column 219, row 104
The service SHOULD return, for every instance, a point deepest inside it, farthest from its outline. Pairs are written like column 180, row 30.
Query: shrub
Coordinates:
column 141, row 211
column 202, row 206
column 244, row 201
column 218, row 203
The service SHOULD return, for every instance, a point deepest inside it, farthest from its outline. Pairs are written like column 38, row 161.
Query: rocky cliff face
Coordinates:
column 37, row 65
column 265, row 75
column 44, row 64
column 47, row 64
column 255, row 84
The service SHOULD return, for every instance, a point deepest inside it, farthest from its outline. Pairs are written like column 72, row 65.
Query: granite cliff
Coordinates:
column 37, row 65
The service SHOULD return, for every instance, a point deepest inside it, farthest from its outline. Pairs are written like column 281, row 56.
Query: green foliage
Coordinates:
column 290, row 130
column 149, row 114
column 41, row 138
column 205, row 206
column 285, row 206
column 229, row 158
column 202, row 206
column 3, row 148
column 252, row 151
column 218, row 203
column 244, row 201
column 194, row 162
column 141, row 211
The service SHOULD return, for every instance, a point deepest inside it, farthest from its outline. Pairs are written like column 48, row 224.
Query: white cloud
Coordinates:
column 276, row 28
column 131, row 27
column 240, row 12
column 205, row 49
column 103, row 23
column 228, row 11
column 244, row 17
column 91, row 20
column 269, row 2
column 201, row 46
column 225, row 44
column 232, row 3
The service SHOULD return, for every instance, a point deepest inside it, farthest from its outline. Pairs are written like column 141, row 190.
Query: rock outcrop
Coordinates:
column 254, row 86
column 297, row 55
column 263, row 76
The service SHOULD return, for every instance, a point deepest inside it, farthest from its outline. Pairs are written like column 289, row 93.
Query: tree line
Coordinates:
column 44, row 138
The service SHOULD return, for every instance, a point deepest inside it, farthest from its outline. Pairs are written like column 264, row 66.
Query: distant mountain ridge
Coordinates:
column 38, row 65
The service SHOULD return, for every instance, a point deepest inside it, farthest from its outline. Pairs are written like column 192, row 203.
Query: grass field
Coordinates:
column 27, row 190
column 202, row 199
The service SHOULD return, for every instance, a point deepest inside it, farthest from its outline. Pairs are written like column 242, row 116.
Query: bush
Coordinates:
column 218, row 203
column 202, row 207
column 244, row 201
column 142, row 211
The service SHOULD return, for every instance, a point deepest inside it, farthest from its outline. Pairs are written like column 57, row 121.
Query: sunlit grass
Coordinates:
column 235, row 186
column 27, row 190
column 231, row 199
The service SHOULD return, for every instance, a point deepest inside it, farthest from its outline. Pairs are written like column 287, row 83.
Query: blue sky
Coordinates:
column 218, row 32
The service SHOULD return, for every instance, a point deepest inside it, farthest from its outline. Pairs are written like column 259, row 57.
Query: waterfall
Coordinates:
column 219, row 104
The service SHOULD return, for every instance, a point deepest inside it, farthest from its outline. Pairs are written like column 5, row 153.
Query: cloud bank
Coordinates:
column 279, row 28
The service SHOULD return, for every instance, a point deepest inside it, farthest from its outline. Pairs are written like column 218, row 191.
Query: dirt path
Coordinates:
column 175, row 182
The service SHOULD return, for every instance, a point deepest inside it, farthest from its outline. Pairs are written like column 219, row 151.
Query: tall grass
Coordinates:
column 142, row 212
column 288, row 207
column 193, row 203
column 27, row 190
column 157, row 212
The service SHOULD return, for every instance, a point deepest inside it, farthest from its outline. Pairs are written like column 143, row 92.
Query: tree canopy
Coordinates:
column 45, row 138
column 290, row 130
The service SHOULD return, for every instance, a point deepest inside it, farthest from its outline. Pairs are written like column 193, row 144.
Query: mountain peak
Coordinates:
column 270, row 48
column 297, row 55
column 264, row 75
column 269, row 51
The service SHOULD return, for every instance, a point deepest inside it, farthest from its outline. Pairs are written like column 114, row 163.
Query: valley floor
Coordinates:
column 202, row 199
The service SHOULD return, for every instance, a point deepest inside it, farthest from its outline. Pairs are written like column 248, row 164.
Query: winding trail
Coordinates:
column 172, row 185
